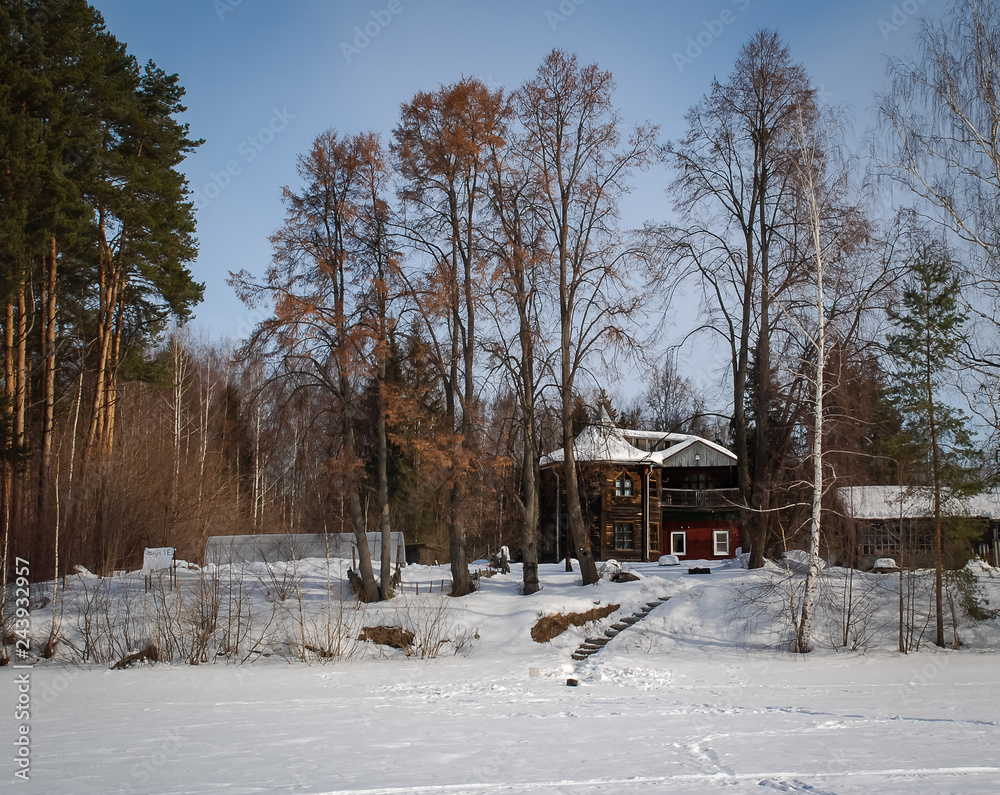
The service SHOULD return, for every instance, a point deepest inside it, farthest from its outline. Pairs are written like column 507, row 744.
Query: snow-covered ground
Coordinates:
column 697, row 697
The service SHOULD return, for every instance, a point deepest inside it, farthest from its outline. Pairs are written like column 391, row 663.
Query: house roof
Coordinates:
column 605, row 442
column 688, row 441
column 602, row 441
column 894, row 502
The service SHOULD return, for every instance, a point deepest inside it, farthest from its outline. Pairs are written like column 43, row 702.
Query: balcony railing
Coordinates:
column 701, row 498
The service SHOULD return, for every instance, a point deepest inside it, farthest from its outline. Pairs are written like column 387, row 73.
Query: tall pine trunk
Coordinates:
column 48, row 381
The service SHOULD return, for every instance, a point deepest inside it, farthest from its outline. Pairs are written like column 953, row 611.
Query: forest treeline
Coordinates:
column 446, row 300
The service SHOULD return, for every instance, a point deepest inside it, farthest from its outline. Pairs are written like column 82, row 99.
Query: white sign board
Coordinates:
column 157, row 559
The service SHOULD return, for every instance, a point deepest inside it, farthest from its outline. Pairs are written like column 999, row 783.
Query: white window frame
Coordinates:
column 680, row 549
column 720, row 542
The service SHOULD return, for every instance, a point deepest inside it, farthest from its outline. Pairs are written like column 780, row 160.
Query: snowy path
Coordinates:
column 636, row 724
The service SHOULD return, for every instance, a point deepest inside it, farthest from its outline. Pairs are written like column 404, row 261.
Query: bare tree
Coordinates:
column 671, row 402
column 733, row 188
column 940, row 116
column 441, row 146
column 520, row 253
column 378, row 264
column 315, row 328
column 582, row 168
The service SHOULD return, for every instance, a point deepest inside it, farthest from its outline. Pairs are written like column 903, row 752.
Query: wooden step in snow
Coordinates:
column 593, row 645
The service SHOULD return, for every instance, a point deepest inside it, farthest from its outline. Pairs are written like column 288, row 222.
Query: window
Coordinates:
column 885, row 538
column 623, row 486
column 678, row 543
column 654, row 535
column 624, row 535
column 721, row 542
column 697, row 481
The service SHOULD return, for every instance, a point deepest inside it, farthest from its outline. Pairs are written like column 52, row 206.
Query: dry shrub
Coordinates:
column 396, row 637
column 549, row 627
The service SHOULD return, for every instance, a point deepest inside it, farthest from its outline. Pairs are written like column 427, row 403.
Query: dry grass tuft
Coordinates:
column 549, row 627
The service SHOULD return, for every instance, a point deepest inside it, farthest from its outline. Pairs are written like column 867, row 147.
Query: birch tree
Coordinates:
column 940, row 117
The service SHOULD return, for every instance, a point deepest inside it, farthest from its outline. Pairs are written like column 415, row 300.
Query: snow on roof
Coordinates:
column 600, row 442
column 604, row 441
column 656, row 436
column 893, row 502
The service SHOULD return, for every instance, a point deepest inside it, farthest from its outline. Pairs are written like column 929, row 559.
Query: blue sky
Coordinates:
column 264, row 78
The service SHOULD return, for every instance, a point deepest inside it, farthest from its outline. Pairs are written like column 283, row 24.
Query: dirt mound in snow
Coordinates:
column 395, row 637
column 549, row 627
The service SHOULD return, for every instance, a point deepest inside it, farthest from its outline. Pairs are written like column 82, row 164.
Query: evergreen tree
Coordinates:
column 95, row 236
column 928, row 333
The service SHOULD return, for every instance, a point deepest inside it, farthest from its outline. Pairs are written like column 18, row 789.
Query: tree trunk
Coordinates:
column 18, row 490
column 369, row 587
column 741, row 366
column 938, row 541
column 529, row 464
column 529, row 486
column 109, row 330
column 385, row 523
column 48, row 382
column 762, row 475
column 461, row 580
column 804, row 641
column 21, row 369
column 577, row 528
column 111, row 383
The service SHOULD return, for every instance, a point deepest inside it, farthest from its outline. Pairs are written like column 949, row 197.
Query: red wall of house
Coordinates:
column 700, row 538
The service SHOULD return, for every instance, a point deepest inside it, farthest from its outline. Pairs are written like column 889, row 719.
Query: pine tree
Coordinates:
column 928, row 335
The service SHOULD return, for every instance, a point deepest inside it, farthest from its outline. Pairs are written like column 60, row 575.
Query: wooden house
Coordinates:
column 896, row 522
column 644, row 494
